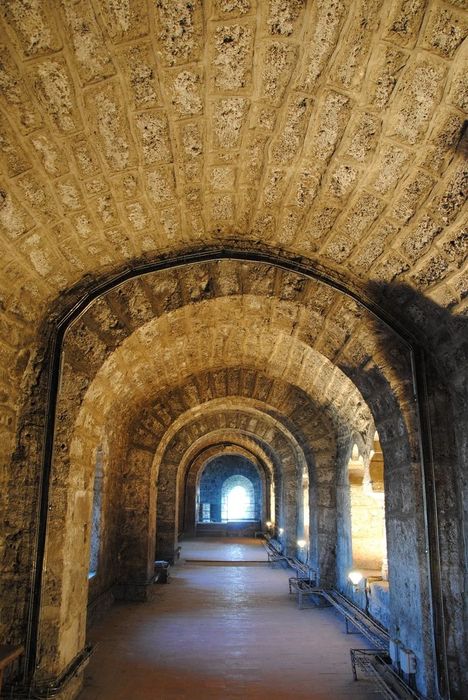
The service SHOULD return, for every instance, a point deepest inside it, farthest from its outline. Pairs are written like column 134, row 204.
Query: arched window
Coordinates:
column 96, row 514
column 237, row 499
column 305, row 505
column 367, row 502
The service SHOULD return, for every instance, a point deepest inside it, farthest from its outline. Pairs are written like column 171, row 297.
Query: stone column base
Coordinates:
column 68, row 685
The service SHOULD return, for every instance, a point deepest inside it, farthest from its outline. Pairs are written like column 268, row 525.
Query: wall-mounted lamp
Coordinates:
column 355, row 577
column 302, row 544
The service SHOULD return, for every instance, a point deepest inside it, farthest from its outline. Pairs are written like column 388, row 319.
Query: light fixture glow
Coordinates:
column 355, row 577
column 268, row 524
column 301, row 543
column 281, row 530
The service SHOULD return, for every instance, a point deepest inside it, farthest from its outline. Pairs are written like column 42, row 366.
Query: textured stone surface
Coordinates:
column 262, row 105
column 333, row 130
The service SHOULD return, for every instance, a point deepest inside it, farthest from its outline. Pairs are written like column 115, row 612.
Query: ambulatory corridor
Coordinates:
column 221, row 630
column 233, row 302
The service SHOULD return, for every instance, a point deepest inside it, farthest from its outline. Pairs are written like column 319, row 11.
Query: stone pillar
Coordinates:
column 138, row 508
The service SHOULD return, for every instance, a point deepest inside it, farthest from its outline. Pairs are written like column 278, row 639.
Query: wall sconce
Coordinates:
column 302, row 544
column 356, row 577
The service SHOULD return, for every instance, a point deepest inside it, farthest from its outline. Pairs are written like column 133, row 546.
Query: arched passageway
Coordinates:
column 290, row 405
column 230, row 489
column 232, row 227
column 281, row 396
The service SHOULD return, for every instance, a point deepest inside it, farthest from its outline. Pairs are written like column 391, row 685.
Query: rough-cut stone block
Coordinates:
column 361, row 216
column 15, row 93
column 190, row 140
column 33, row 25
column 390, row 267
column 343, row 180
column 233, row 56
column 278, row 64
column 274, row 186
column 160, row 185
column 106, row 210
column 445, row 30
column 222, row 177
column 85, row 157
column 445, row 139
column 290, row 140
column 387, row 65
column 284, row 16
column 325, row 26
column 69, row 193
column 351, row 61
column 137, row 215
column 320, row 221
column 458, row 95
column 50, row 155
column 363, row 136
column 139, row 66
column 233, row 8
column 420, row 239
column 92, row 58
column 412, row 196
column 12, row 155
column 179, row 30
column 125, row 20
column 403, row 22
column 375, row 246
column 38, row 196
column 455, row 247
column 305, row 186
column 228, row 118
column 154, row 137
column 289, row 225
column 432, row 272
column 450, row 203
column 389, row 167
column 55, row 89
column 108, row 116
column 170, row 222
column 186, row 91
column 14, row 220
column 417, row 100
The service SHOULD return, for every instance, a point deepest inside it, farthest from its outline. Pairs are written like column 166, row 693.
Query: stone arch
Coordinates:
column 230, row 444
column 229, row 510
column 370, row 382
column 303, row 351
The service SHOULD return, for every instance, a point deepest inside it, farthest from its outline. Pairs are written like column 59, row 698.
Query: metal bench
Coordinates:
column 274, row 552
column 376, row 665
column 358, row 619
column 305, row 591
column 303, row 573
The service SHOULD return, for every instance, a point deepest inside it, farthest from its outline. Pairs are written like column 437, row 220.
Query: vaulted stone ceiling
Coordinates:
column 326, row 132
column 332, row 129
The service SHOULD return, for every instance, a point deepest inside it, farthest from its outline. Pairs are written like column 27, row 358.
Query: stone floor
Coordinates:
column 222, row 631
column 227, row 549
